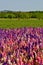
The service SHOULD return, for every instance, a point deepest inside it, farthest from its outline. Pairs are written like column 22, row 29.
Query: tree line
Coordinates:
column 19, row 14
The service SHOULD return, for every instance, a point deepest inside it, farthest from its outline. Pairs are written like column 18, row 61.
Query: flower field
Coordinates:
column 21, row 46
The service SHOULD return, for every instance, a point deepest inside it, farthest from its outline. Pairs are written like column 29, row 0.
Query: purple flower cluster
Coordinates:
column 21, row 46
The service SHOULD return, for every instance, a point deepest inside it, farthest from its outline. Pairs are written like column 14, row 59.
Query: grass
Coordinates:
column 18, row 23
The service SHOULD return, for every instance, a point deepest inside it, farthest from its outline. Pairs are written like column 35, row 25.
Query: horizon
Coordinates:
column 21, row 11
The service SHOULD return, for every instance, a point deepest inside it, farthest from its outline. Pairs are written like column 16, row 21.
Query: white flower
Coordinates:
column 9, row 61
column 42, row 51
column 0, row 63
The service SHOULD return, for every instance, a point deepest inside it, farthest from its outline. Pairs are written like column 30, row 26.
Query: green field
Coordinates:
column 18, row 23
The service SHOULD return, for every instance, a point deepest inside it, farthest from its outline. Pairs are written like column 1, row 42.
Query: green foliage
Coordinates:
column 12, row 14
column 33, row 16
column 19, row 23
column 9, row 16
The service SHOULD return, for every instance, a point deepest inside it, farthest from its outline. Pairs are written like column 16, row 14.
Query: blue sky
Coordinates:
column 21, row 5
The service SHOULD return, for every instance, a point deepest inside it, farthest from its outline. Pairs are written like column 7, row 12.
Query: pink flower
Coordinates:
column 29, row 63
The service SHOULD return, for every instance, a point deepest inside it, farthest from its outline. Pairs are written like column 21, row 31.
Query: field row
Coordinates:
column 18, row 23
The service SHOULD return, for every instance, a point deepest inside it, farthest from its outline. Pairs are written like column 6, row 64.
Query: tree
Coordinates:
column 33, row 16
column 9, row 16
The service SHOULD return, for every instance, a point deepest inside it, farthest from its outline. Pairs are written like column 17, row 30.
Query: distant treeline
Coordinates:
column 13, row 14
